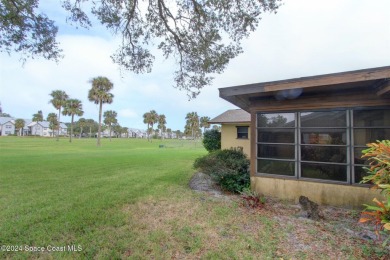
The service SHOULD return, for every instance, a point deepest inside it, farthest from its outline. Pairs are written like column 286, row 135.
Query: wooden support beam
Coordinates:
column 385, row 89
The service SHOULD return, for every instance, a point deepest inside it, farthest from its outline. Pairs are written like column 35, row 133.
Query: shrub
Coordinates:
column 212, row 140
column 229, row 168
column 379, row 175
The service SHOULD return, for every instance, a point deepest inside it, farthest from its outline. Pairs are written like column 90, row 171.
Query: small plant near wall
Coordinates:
column 379, row 175
column 251, row 199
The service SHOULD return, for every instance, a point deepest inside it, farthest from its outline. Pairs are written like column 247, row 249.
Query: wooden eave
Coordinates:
column 375, row 79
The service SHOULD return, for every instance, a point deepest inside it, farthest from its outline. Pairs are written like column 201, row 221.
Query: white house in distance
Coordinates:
column 7, row 126
column 43, row 129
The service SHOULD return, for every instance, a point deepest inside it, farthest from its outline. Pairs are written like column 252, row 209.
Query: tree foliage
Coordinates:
column 201, row 35
column 24, row 30
column 212, row 140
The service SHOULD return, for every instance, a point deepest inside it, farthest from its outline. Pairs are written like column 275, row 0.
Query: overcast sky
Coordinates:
column 305, row 38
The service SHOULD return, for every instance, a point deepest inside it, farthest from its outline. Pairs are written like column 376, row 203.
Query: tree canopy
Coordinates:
column 201, row 35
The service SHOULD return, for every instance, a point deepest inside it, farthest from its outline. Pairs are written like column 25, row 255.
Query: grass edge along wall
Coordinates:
column 348, row 92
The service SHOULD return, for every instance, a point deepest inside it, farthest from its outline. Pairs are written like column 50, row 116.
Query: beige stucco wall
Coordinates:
column 229, row 138
column 321, row 193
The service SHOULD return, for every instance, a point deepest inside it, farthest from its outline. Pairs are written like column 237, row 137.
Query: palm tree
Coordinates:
column 169, row 132
column 126, row 131
column 100, row 94
column 162, row 124
column 117, row 130
column 192, row 123
column 58, row 100
column 72, row 107
column 38, row 117
column 204, row 122
column 178, row 134
column 82, row 123
column 19, row 124
column 150, row 118
column 90, row 123
column 53, row 121
column 110, row 119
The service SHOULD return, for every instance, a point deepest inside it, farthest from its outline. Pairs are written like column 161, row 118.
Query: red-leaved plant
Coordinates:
column 379, row 175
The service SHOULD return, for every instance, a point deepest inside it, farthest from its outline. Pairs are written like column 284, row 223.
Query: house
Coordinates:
column 235, row 129
column 136, row 133
column 26, row 129
column 43, row 129
column 307, row 133
column 7, row 126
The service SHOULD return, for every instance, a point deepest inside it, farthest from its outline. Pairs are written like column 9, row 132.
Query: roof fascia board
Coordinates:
column 307, row 82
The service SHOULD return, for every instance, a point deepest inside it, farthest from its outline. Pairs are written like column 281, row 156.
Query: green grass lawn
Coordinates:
column 61, row 193
column 130, row 199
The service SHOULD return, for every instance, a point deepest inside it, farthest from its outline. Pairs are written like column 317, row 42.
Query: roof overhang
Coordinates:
column 374, row 79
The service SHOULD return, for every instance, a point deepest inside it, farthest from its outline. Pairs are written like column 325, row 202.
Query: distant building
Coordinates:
column 7, row 127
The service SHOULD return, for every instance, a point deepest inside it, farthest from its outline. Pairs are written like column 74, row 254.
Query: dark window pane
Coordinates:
column 324, row 119
column 276, row 167
column 242, row 136
column 360, row 173
column 324, row 136
column 324, row 171
column 276, row 120
column 323, row 153
column 242, row 132
column 280, row 135
column 242, row 129
column 371, row 118
column 364, row 136
column 276, row 151
column 357, row 154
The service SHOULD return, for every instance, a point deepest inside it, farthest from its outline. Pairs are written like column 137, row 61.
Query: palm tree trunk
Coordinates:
column 71, row 130
column 110, row 132
column 81, row 132
column 100, row 122
column 151, row 139
column 59, row 123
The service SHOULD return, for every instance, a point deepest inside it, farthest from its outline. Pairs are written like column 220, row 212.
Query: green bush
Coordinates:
column 229, row 168
column 212, row 140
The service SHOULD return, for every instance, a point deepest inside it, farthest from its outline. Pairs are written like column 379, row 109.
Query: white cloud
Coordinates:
column 128, row 113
